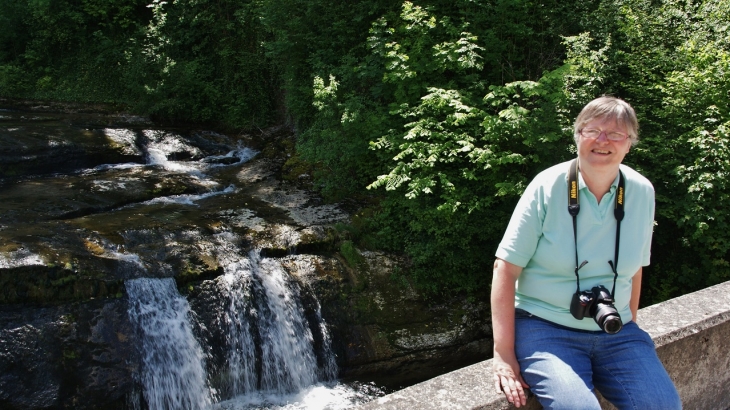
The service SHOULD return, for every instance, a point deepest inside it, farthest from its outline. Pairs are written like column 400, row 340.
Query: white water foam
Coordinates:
column 158, row 157
column 104, row 167
column 125, row 138
column 242, row 155
column 167, row 142
column 235, row 316
column 188, row 199
column 287, row 340
column 161, row 144
column 19, row 258
column 330, row 396
column 290, row 377
column 263, row 303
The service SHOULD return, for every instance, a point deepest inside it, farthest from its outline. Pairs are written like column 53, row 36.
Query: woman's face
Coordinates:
column 601, row 152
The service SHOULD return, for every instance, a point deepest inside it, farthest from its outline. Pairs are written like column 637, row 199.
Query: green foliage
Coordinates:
column 67, row 50
column 443, row 109
column 465, row 149
column 425, row 87
column 318, row 48
column 191, row 61
column 207, row 64
column 696, row 108
column 449, row 252
column 350, row 84
column 670, row 60
column 12, row 80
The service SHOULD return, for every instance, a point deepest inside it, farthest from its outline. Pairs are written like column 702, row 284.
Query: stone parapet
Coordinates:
column 691, row 335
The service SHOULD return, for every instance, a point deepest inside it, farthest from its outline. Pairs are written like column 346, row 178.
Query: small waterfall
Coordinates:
column 270, row 342
column 328, row 366
column 286, row 339
column 173, row 367
column 234, row 319
column 269, row 346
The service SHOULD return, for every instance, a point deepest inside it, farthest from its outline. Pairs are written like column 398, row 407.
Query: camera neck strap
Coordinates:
column 574, row 209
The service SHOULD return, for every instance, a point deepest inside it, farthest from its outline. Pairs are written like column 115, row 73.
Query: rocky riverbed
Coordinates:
column 91, row 200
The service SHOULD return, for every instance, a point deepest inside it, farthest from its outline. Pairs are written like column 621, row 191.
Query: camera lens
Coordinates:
column 612, row 325
column 608, row 318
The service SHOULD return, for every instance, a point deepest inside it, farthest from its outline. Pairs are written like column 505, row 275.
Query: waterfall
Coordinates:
column 285, row 335
column 268, row 341
column 173, row 368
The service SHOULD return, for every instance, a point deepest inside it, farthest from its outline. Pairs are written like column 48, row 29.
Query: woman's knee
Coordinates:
column 557, row 384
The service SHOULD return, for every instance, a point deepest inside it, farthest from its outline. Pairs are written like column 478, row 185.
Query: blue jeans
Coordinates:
column 563, row 366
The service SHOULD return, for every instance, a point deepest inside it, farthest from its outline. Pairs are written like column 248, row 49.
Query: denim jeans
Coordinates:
column 562, row 366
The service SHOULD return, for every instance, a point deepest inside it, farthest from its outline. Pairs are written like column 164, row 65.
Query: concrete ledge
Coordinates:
column 691, row 334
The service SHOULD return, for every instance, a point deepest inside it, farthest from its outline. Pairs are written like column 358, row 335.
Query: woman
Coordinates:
column 540, row 342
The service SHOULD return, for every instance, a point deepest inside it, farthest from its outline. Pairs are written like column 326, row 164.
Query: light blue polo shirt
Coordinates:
column 539, row 238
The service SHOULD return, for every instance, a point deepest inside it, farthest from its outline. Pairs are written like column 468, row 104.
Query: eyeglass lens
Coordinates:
column 593, row 133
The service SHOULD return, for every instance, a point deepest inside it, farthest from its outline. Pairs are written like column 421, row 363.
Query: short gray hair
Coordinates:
column 609, row 108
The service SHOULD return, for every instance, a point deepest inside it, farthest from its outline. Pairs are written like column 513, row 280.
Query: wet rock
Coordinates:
column 35, row 145
column 400, row 337
column 76, row 356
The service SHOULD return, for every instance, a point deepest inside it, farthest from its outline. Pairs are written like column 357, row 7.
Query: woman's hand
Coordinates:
column 507, row 380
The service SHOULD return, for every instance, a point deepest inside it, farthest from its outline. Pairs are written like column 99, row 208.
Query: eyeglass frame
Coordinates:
column 624, row 136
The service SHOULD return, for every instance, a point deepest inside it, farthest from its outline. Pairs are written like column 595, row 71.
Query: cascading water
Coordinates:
column 270, row 358
column 270, row 343
column 286, row 340
column 173, row 367
column 267, row 340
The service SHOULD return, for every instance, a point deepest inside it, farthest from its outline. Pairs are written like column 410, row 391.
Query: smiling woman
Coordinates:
column 541, row 339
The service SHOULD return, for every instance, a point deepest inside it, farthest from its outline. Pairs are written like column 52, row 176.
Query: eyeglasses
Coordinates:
column 593, row 133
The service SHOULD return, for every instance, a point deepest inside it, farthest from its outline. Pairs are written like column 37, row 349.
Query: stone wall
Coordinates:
column 691, row 334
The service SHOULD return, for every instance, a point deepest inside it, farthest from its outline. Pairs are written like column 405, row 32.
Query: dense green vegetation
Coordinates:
column 434, row 113
column 185, row 61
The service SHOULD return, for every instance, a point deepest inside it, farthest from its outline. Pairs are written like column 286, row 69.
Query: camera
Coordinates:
column 598, row 304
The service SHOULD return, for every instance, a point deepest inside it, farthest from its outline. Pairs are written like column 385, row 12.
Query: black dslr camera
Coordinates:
column 598, row 304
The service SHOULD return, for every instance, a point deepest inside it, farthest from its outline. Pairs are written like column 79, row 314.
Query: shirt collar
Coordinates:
column 614, row 184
